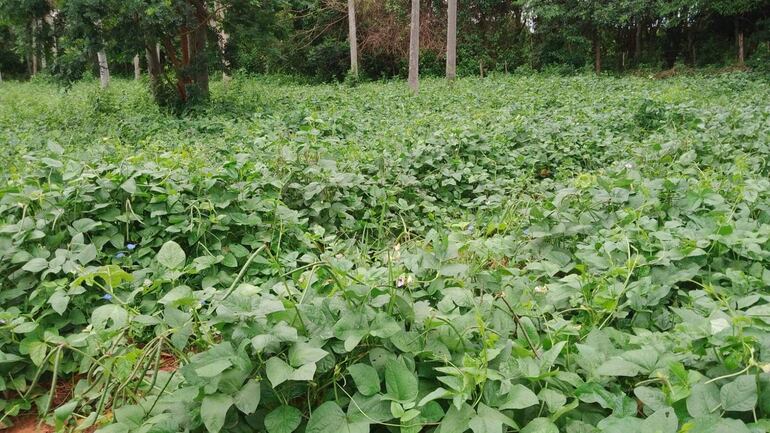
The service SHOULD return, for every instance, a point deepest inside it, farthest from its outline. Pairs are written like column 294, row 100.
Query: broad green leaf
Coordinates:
column 214, row 410
column 329, row 418
column 303, row 353
column 59, row 301
column 488, row 420
column 519, row 397
column 715, row 424
column 400, row 382
column 106, row 313
column 740, row 395
column 618, row 367
column 213, row 369
column 278, row 371
column 171, row 255
column 35, row 265
column 87, row 254
column 703, row 400
column 366, row 379
column 283, row 419
column 662, row 421
column 540, row 425
column 247, row 399
column 456, row 420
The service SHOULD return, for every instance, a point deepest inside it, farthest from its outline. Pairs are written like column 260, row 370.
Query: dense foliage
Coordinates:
column 310, row 38
column 530, row 254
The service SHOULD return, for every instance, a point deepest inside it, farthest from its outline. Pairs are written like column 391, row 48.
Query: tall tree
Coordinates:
column 414, row 47
column 352, row 37
column 137, row 68
column 218, row 23
column 104, row 68
column 451, row 40
column 738, row 9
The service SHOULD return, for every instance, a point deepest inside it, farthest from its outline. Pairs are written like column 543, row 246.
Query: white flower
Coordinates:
column 541, row 289
column 629, row 166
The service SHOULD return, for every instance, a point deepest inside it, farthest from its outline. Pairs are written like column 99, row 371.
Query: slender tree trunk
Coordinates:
column 1, row 77
column 414, row 47
column 451, row 40
column 638, row 42
column 199, row 59
column 153, row 67
column 597, row 43
column 34, row 48
column 222, row 38
column 137, row 68
column 104, row 68
column 353, row 37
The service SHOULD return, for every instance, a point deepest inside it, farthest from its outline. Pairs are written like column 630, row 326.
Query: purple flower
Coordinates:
column 120, row 255
column 130, row 246
column 107, row 297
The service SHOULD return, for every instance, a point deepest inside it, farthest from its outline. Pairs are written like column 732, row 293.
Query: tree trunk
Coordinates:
column 414, row 47
column 597, row 53
column 353, row 37
column 199, row 59
column 137, row 68
column 34, row 49
column 104, row 68
column 739, row 40
column 222, row 38
column 638, row 42
column 451, row 40
column 153, row 66
column 43, row 60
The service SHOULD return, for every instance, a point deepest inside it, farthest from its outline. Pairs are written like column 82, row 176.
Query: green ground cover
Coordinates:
column 536, row 254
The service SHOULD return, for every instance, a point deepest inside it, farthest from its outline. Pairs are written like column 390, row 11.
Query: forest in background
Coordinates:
column 310, row 38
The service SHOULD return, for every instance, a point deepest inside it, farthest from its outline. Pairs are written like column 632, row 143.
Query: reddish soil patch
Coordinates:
column 168, row 362
column 28, row 424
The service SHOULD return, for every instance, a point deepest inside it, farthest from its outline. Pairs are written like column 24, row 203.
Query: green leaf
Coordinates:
column 214, row 410
column 247, row 399
column 618, row 367
column 37, row 351
column 490, row 420
column 213, row 369
column 662, row 421
column 303, row 353
column 456, row 420
column 101, row 316
column 171, row 255
column 59, row 301
column 739, row 395
column 519, row 397
column 453, row 270
column 540, row 425
column 87, row 254
column 366, row 379
column 35, row 265
column 703, row 400
column 278, row 371
column 283, row 419
column 400, row 382
column 329, row 418
column 129, row 185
